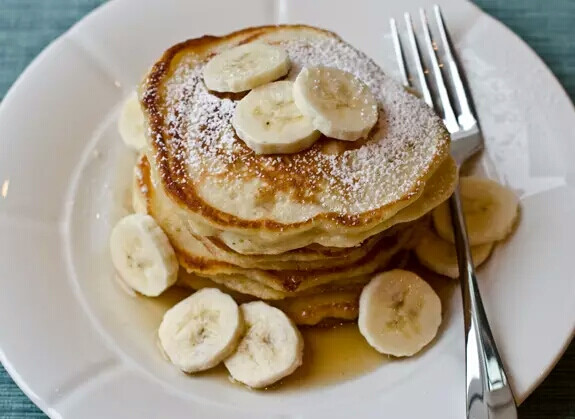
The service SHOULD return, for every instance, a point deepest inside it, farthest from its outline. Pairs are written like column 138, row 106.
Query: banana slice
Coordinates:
column 399, row 313
column 201, row 331
column 339, row 104
column 440, row 256
column 271, row 349
column 245, row 67
column 142, row 255
column 131, row 123
column 490, row 211
column 269, row 122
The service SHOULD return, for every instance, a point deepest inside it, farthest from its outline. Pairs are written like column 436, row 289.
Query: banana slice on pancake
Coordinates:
column 490, row 211
column 340, row 105
column 201, row 331
column 245, row 67
column 142, row 255
column 399, row 313
column 271, row 348
column 440, row 256
column 131, row 123
column 269, row 122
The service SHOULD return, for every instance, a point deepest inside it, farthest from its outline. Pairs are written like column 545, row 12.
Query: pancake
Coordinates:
column 270, row 204
column 337, row 301
column 313, row 256
column 247, row 287
column 310, row 257
column 437, row 190
column 196, row 257
column 291, row 282
column 144, row 199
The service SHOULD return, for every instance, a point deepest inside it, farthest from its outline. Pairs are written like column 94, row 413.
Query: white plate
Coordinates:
column 81, row 348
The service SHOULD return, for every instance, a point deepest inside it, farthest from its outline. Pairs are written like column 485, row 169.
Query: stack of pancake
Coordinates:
column 305, row 231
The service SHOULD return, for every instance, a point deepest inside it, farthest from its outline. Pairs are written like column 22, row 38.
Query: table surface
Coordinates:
column 27, row 26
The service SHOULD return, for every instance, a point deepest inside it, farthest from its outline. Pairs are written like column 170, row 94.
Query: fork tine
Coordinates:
column 448, row 114
column 417, row 61
column 399, row 53
column 465, row 118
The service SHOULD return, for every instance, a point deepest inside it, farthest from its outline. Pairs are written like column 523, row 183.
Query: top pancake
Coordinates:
column 333, row 187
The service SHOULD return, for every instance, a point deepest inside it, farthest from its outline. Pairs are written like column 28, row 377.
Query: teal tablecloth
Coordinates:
column 26, row 27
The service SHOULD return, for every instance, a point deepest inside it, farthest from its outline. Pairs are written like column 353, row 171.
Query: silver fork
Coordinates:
column 488, row 394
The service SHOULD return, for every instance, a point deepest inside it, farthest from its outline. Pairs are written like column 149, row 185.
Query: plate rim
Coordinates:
column 102, row 9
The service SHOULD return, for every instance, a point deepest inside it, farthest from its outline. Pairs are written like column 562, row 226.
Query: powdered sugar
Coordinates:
column 347, row 178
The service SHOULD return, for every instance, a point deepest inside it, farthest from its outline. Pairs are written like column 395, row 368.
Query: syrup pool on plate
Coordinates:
column 332, row 354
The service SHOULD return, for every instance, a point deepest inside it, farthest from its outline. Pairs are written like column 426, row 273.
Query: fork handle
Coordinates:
column 488, row 394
